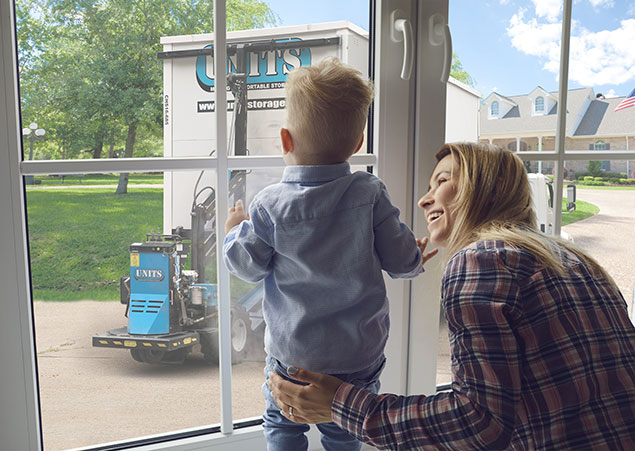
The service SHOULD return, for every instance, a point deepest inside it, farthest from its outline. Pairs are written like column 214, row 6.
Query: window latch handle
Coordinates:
column 401, row 30
column 438, row 34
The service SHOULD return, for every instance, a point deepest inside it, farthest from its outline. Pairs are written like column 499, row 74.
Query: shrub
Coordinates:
column 581, row 174
column 594, row 183
column 595, row 168
column 615, row 175
column 622, row 181
column 599, row 179
column 630, row 181
column 614, row 181
column 588, row 178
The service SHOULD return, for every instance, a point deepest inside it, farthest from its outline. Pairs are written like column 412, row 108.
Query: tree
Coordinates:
column 458, row 73
column 594, row 168
column 91, row 66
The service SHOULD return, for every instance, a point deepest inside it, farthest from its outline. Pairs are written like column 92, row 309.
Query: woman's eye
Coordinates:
column 441, row 180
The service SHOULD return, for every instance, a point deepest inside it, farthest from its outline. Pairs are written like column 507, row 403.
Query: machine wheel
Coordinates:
column 240, row 339
column 147, row 355
column 241, row 332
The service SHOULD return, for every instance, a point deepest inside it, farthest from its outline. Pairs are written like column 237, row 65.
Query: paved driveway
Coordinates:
column 609, row 236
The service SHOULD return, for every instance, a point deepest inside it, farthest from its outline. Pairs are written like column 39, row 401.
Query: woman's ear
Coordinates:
column 287, row 141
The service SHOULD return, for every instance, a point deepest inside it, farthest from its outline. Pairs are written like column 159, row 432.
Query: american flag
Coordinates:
column 628, row 101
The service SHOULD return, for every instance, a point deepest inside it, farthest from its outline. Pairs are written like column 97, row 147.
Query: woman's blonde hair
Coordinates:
column 493, row 202
column 326, row 108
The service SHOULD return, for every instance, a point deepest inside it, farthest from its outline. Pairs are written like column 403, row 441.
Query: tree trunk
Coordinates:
column 122, row 187
column 97, row 150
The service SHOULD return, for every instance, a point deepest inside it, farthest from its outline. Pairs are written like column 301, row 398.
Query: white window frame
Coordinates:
column 394, row 131
column 542, row 104
column 495, row 103
column 408, row 129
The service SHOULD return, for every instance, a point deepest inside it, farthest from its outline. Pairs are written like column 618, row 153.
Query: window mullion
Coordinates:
column 561, row 127
column 224, row 318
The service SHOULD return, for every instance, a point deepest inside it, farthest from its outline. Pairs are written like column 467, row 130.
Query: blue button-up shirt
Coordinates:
column 320, row 239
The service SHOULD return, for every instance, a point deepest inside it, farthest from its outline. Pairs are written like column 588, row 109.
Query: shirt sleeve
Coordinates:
column 248, row 247
column 394, row 241
column 480, row 410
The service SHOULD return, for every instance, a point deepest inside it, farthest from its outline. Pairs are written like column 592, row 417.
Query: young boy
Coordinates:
column 320, row 239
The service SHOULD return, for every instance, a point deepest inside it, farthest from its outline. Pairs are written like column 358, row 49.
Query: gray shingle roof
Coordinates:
column 601, row 119
column 598, row 117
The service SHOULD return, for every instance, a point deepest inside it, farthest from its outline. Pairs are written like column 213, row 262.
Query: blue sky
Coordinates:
column 512, row 46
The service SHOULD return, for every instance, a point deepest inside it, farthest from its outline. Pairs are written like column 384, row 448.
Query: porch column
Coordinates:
column 628, row 171
column 540, row 150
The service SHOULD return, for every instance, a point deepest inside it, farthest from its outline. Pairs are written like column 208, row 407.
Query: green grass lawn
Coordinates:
column 612, row 187
column 582, row 210
column 79, row 239
column 98, row 179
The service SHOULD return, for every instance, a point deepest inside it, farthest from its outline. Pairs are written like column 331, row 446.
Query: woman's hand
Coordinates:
column 305, row 403
column 423, row 243
column 236, row 215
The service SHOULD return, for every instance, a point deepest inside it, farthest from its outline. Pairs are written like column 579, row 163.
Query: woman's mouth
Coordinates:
column 433, row 216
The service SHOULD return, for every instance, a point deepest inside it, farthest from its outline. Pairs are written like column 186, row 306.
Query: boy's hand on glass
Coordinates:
column 236, row 215
column 423, row 243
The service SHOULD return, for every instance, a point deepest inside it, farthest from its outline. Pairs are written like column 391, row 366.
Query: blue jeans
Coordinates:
column 285, row 435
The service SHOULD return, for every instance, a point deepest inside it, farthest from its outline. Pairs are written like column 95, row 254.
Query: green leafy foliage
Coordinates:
column 459, row 73
column 89, row 72
column 594, row 168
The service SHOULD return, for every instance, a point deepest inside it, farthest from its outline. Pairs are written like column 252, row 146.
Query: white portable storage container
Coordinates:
column 188, row 97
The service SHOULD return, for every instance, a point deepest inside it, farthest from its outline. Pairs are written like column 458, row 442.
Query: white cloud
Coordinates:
column 549, row 9
column 610, row 94
column 596, row 58
column 503, row 2
column 631, row 9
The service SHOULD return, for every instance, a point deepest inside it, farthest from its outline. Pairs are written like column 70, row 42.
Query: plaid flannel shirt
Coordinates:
column 539, row 361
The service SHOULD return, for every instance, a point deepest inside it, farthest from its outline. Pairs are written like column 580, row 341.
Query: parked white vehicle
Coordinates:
column 542, row 194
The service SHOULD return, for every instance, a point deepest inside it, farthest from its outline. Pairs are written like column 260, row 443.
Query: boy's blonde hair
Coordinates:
column 493, row 202
column 326, row 109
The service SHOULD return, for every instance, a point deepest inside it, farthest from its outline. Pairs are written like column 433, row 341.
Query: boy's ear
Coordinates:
column 359, row 146
column 287, row 141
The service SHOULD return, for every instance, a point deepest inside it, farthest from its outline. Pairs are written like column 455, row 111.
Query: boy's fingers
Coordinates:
column 429, row 255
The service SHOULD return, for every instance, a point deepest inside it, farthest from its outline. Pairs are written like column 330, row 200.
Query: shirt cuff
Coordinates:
column 349, row 408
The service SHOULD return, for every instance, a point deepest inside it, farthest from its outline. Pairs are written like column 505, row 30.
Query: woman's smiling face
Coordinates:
column 438, row 200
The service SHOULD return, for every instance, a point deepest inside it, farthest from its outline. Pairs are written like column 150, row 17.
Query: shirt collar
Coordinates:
column 321, row 173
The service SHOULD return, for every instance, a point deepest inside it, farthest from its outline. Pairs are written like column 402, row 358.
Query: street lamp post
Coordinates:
column 33, row 133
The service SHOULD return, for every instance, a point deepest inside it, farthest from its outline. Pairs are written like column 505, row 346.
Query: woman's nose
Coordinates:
column 425, row 200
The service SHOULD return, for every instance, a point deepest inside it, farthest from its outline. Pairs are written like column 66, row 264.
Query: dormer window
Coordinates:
column 539, row 107
column 494, row 108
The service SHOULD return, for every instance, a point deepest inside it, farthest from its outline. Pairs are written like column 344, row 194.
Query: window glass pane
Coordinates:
column 247, row 320
column 507, row 86
column 600, row 58
column 321, row 30
column 106, row 295
column 86, row 92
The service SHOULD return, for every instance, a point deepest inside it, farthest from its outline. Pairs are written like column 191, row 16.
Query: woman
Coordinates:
column 543, row 351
